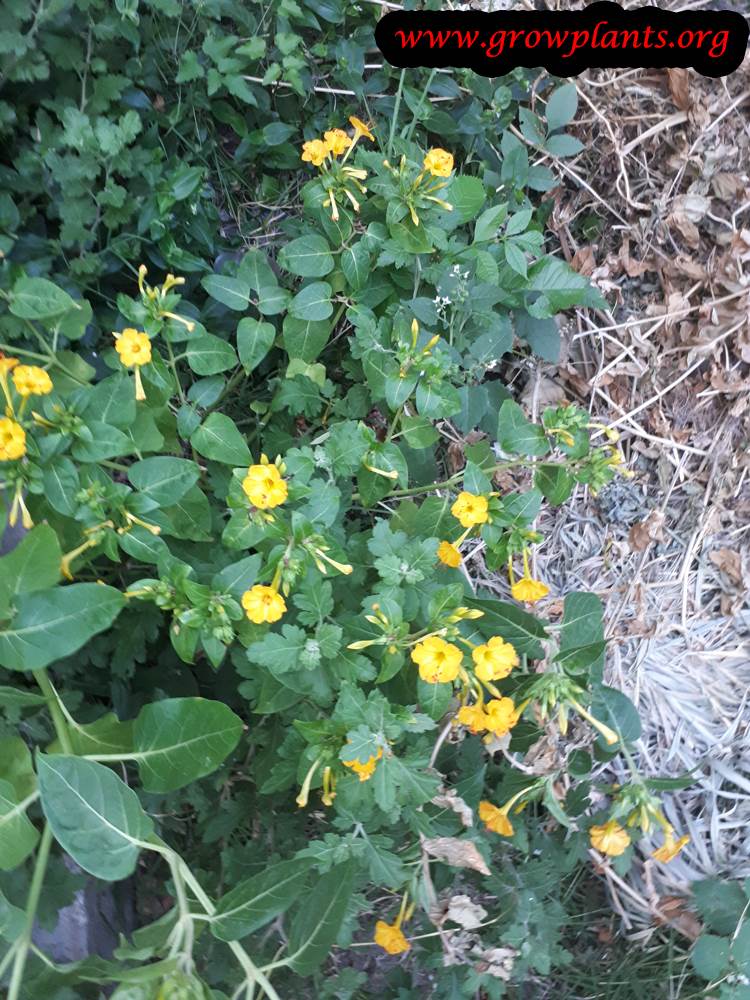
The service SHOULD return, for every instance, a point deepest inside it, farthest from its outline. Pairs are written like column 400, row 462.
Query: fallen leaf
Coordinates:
column 673, row 910
column 497, row 962
column 450, row 800
column 641, row 535
column 456, row 853
column 679, row 87
column 462, row 910
column 728, row 562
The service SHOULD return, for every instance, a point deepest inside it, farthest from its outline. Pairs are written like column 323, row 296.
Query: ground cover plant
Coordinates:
column 245, row 333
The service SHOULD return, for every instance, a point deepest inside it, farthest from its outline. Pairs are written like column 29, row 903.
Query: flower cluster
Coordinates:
column 337, row 178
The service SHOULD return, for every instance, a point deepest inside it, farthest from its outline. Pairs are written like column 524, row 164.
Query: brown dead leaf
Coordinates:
column 497, row 962
column 546, row 392
column 456, row 853
column 679, row 87
column 584, row 261
column 673, row 910
column 728, row 562
column 641, row 535
column 449, row 800
column 464, row 911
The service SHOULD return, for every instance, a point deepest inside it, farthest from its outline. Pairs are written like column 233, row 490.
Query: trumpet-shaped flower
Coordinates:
column 390, row 937
column 315, row 151
column 495, row 819
column 610, row 838
column 30, row 380
column 449, row 555
column 438, row 162
column 360, row 129
column 364, row 771
column 263, row 604
column 12, row 440
column 501, row 715
column 337, row 141
column 470, row 510
column 494, row 659
column 439, row 661
column 264, row 486
column 133, row 347
column 670, row 848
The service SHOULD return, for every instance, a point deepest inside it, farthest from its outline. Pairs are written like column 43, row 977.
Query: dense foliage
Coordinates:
column 247, row 491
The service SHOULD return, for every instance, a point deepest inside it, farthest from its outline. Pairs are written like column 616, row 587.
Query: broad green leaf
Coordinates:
column 254, row 341
column 219, row 439
column 16, row 766
column 272, row 300
column 309, row 256
column 434, row 699
column 305, row 338
column 312, row 302
column 50, row 624
column 164, row 479
column 256, row 271
column 179, row 740
column 94, row 816
column 18, row 835
column 238, row 577
column 582, row 642
column 542, row 335
column 318, row 921
column 231, row 292
column 555, row 482
column 720, row 903
column 710, row 956
column 355, row 263
column 616, row 710
column 106, row 735
column 511, row 623
column 209, row 355
column 516, row 434
column 38, row 298
column 14, row 698
column 467, row 195
column 489, row 222
column 259, row 899
column 34, row 564
column 61, row 483
column 561, row 106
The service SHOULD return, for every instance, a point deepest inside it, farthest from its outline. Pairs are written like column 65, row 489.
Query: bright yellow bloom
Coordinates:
column 501, row 715
column 495, row 819
column 439, row 162
column 470, row 509
column 439, row 661
column 366, row 770
column 263, row 604
column 610, row 838
column 529, row 590
column 264, row 486
column 473, row 717
column 360, row 128
column 12, row 440
column 449, row 555
column 133, row 347
column 31, row 381
column 494, row 660
column 7, row 364
column 390, row 937
column 337, row 141
column 315, row 152
column 670, row 848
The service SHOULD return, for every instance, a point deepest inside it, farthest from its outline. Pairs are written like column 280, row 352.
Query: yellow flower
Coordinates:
column 366, row 770
column 439, row 162
column 494, row 660
column 473, row 717
column 7, row 364
column 449, row 555
column 315, row 152
column 390, row 937
column 12, row 440
column 610, row 838
column 360, row 128
column 133, row 347
column 529, row 590
column 337, row 141
column 495, row 819
column 263, row 604
column 264, row 486
column 470, row 509
column 31, row 381
column 439, row 661
column 501, row 715
column 670, row 848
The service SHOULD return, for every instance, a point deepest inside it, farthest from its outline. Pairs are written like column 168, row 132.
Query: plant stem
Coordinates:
column 58, row 719
column 35, row 890
column 418, row 108
column 394, row 118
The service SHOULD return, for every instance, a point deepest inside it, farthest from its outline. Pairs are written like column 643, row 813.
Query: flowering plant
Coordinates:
column 251, row 550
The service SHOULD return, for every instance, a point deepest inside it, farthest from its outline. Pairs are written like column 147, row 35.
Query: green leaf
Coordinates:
column 219, row 439
column 489, row 222
column 14, row 698
column 555, row 482
column 179, row 740
column 309, row 256
column 38, row 298
column 312, row 302
column 720, row 903
column 18, row 835
column 209, row 355
column 318, row 921
column 511, row 623
column 542, row 335
column 561, row 106
column 355, row 263
column 305, row 338
column 710, row 956
column 94, row 816
column 234, row 293
column 434, row 699
column 50, row 624
column 259, row 899
column 616, row 710
column 107, row 735
column 238, row 577
column 582, row 642
column 34, row 564
column 467, row 196
column 254, row 340
column 164, row 479
column 517, row 435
